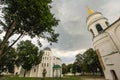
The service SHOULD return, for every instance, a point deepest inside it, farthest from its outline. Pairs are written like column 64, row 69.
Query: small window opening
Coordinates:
column 99, row 28
column 92, row 32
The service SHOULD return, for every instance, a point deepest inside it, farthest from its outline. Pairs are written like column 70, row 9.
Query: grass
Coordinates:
column 21, row 78
column 64, row 78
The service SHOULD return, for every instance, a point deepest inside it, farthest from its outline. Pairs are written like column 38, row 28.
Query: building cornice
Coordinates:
column 92, row 15
column 112, row 24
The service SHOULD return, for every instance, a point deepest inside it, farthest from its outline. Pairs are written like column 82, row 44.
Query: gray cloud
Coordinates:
column 72, row 27
column 68, row 60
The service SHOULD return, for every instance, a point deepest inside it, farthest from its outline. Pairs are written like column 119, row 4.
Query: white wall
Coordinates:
column 108, row 44
column 47, row 63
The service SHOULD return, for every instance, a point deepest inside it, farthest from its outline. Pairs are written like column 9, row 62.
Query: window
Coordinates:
column 107, row 24
column 92, row 32
column 99, row 28
column 34, row 70
column 114, row 75
column 47, row 64
column 16, row 73
column 42, row 64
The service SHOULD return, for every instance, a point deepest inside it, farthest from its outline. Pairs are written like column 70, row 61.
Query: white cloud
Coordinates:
column 73, row 30
column 111, row 10
column 67, row 56
column 74, row 37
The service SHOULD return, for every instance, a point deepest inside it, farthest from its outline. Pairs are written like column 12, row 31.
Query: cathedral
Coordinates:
column 106, row 42
column 50, row 65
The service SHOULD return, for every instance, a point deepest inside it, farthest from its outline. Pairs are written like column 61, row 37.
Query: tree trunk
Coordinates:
column 4, row 52
column 93, row 73
column 6, row 37
column 83, row 73
column 24, row 73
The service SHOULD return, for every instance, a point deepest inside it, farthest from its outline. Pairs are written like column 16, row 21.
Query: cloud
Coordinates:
column 67, row 56
column 72, row 27
column 74, row 36
column 111, row 10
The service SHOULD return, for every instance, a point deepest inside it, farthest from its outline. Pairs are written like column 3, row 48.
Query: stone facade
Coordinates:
column 106, row 41
column 47, row 63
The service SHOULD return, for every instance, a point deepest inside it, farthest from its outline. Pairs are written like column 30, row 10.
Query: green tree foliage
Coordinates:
column 88, row 61
column 28, row 55
column 64, row 68
column 27, row 17
column 7, row 62
column 69, row 67
column 75, row 68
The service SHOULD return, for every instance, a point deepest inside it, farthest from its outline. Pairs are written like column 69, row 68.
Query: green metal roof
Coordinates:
column 56, row 66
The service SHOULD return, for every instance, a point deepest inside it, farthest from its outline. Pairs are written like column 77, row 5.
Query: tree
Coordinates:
column 7, row 62
column 28, row 55
column 69, row 68
column 80, row 60
column 89, row 61
column 64, row 68
column 27, row 17
column 76, row 68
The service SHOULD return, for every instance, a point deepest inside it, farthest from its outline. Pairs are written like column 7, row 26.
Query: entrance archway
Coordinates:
column 57, row 71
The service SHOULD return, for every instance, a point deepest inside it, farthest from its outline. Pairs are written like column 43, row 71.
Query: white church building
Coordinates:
column 47, row 64
column 106, row 42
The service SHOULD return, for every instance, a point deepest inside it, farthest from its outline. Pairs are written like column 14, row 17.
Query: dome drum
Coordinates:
column 96, row 23
column 47, row 48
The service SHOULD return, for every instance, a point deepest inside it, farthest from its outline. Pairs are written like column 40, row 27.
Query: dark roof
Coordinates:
column 47, row 48
column 58, row 58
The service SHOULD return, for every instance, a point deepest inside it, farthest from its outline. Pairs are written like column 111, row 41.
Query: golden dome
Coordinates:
column 90, row 11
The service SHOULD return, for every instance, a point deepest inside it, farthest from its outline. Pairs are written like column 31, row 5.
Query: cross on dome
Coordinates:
column 90, row 11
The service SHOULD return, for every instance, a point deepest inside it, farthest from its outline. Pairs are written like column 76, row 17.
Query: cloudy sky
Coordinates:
column 74, row 37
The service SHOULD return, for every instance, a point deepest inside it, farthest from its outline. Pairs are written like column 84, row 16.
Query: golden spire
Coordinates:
column 90, row 11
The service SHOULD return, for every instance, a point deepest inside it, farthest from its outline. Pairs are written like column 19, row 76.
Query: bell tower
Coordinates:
column 96, row 22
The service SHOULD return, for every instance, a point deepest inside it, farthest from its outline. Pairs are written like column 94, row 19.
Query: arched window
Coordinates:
column 107, row 24
column 42, row 64
column 47, row 64
column 34, row 70
column 99, row 28
column 92, row 32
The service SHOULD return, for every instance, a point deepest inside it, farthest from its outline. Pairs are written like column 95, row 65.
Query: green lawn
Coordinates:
column 19, row 78
column 63, row 78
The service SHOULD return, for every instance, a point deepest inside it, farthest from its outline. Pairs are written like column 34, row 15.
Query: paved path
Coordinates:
column 93, row 79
